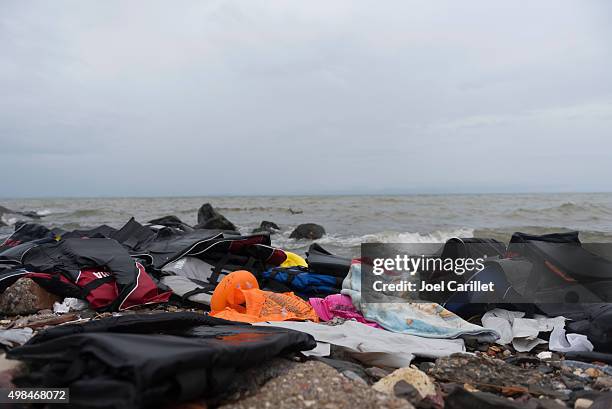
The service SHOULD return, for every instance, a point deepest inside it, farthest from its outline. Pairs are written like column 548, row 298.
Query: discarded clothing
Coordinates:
column 592, row 320
column 69, row 304
column 72, row 255
column 523, row 332
column 25, row 233
column 166, row 246
column 294, row 260
column 99, row 288
column 163, row 322
column 189, row 289
column 192, row 279
column 374, row 346
column 304, row 282
column 100, row 232
column 338, row 305
column 190, row 267
column 238, row 298
column 170, row 221
column 137, row 361
column 15, row 336
column 99, row 270
column 266, row 305
column 561, row 342
column 428, row 320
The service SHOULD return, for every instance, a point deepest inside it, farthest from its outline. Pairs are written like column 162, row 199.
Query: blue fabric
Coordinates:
column 304, row 282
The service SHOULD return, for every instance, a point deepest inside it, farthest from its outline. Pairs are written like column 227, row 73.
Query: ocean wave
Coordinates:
column 193, row 210
column 505, row 233
column 258, row 209
column 44, row 212
column 74, row 226
column 565, row 209
column 440, row 236
column 86, row 213
column 9, row 221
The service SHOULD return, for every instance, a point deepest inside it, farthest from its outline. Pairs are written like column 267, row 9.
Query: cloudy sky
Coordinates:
column 289, row 97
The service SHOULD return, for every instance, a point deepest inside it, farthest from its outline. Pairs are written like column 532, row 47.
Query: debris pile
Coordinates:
column 295, row 334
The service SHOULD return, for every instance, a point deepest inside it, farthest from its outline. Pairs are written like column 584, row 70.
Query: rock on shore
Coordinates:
column 266, row 226
column 313, row 385
column 209, row 218
column 26, row 297
column 310, row 231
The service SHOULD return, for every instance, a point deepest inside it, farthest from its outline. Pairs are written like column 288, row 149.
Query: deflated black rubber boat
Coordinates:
column 552, row 274
column 563, row 270
column 139, row 361
column 321, row 261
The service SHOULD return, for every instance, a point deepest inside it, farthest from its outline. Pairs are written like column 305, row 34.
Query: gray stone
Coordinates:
column 26, row 297
column 310, row 231
column 266, row 226
column 583, row 403
column 209, row 218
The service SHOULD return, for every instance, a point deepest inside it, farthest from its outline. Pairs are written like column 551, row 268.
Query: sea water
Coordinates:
column 350, row 220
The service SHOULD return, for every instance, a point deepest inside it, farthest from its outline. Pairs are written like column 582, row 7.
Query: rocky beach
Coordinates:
column 486, row 375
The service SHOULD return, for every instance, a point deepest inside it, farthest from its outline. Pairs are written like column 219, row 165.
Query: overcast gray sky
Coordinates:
column 290, row 97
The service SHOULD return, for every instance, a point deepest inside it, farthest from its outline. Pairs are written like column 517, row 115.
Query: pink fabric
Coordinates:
column 338, row 305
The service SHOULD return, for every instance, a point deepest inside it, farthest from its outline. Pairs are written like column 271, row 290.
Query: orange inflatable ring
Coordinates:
column 228, row 294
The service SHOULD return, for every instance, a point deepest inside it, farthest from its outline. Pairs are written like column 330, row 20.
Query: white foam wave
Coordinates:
column 397, row 237
column 440, row 236
column 9, row 221
column 44, row 212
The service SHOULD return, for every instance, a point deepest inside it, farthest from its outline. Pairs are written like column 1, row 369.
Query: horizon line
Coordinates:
column 306, row 195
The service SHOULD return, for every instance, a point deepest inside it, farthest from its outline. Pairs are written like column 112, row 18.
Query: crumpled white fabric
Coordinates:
column 373, row 346
column 15, row 336
column 69, row 304
column 561, row 342
column 523, row 332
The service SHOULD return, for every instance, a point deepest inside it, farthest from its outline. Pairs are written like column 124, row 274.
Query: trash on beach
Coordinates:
column 69, row 304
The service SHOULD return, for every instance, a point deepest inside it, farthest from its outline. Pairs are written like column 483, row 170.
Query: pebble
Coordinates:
column 353, row 376
column 545, row 369
column 582, row 403
column 470, row 388
column 544, row 355
column 593, row 372
column 603, row 382
column 378, row 373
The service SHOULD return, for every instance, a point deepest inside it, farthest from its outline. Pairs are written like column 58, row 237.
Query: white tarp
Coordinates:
column 373, row 346
column 523, row 332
